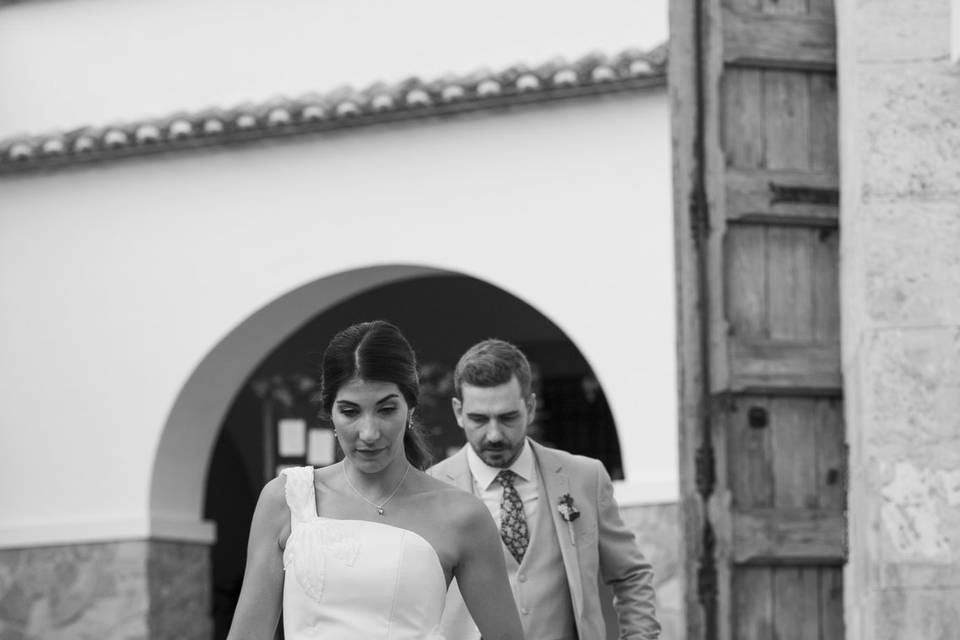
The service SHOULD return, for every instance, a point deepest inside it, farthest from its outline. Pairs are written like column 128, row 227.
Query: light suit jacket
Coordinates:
column 597, row 544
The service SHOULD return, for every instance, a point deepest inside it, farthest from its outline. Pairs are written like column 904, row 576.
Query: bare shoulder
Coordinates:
column 272, row 514
column 459, row 507
column 274, row 493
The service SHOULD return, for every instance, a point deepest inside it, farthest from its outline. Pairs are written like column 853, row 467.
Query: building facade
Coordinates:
column 150, row 263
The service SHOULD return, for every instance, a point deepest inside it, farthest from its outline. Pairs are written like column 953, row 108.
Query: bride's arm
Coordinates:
column 258, row 609
column 482, row 576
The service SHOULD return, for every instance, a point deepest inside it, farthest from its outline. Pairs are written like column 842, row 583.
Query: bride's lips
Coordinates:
column 368, row 453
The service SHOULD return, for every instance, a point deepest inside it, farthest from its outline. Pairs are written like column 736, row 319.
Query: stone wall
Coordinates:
column 130, row 590
column 900, row 252
column 657, row 528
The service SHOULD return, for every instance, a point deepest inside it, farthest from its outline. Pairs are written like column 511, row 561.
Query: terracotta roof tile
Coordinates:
column 341, row 107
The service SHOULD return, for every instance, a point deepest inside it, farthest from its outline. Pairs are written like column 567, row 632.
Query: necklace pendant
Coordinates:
column 380, row 510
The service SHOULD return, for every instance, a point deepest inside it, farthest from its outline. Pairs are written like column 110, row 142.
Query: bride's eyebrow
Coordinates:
column 389, row 397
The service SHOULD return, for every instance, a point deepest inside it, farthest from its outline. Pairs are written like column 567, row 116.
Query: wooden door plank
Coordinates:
column 823, row 8
column 796, row 603
column 751, row 477
column 753, row 603
column 782, row 196
column 794, row 453
column 748, row 6
column 746, row 281
column 787, row 536
column 784, row 7
column 692, row 383
column 790, row 293
column 766, row 40
column 775, row 365
column 824, row 149
column 826, row 286
column 742, row 114
column 831, row 465
column 831, row 603
column 786, row 109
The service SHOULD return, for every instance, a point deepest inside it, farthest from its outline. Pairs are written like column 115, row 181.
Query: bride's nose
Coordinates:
column 368, row 431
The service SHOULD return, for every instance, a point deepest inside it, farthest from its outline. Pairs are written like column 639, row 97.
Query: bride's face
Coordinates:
column 370, row 418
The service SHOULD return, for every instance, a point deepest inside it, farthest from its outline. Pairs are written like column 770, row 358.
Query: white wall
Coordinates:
column 115, row 282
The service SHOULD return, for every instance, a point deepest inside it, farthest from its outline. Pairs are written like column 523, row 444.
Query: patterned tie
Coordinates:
column 513, row 524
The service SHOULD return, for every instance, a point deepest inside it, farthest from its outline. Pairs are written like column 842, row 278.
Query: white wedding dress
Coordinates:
column 355, row 579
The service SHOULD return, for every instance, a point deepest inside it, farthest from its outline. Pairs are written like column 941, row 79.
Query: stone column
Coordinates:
column 900, row 256
column 130, row 590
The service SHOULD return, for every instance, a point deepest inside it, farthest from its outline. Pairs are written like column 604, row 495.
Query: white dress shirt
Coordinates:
column 487, row 488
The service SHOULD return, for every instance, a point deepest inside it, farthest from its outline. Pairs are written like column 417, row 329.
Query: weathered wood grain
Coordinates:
column 790, row 293
column 831, row 464
column 824, row 147
column 742, row 115
column 794, row 436
column 753, row 603
column 825, row 285
column 767, row 40
column 796, row 603
column 786, row 110
column 751, row 477
column 790, row 367
column 787, row 536
column 758, row 195
column 746, row 282
column 831, row 603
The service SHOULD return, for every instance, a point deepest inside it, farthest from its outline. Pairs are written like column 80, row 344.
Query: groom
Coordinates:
column 557, row 517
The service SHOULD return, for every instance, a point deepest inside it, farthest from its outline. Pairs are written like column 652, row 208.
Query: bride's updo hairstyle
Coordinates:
column 377, row 352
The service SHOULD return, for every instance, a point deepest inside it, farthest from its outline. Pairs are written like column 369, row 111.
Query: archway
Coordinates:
column 441, row 314
column 442, row 300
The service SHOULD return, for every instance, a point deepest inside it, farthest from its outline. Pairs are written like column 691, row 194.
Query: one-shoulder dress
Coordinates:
column 356, row 579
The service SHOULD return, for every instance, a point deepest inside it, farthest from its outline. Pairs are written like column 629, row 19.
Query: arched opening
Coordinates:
column 212, row 462
column 273, row 420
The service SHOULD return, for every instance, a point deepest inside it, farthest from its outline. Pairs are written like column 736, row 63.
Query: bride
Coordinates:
column 365, row 548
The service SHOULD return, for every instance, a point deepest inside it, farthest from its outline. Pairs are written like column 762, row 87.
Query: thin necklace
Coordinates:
column 378, row 507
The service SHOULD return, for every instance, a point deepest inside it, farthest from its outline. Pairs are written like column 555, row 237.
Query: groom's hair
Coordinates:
column 491, row 363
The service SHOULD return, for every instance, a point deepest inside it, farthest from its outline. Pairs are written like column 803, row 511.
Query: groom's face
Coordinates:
column 495, row 420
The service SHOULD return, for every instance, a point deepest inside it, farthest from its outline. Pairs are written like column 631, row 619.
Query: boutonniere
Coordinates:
column 569, row 513
column 566, row 508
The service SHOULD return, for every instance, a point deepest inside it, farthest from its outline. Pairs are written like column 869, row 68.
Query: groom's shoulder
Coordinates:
column 570, row 461
column 445, row 467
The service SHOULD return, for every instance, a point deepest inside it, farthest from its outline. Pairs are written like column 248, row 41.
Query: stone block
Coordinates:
column 130, row 590
column 909, row 613
column 74, row 591
column 908, row 129
column 911, row 397
column 902, row 30
column 657, row 528
column 905, row 495
column 912, row 262
column 180, row 591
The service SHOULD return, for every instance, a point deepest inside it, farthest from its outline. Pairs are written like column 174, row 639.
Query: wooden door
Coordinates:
column 762, row 439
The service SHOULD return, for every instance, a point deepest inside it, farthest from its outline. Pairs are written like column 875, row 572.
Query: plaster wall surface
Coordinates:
column 900, row 172
column 115, row 282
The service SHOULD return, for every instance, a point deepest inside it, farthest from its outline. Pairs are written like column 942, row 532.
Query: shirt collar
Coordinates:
column 485, row 475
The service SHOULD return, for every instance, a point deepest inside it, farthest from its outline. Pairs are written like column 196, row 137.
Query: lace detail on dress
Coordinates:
column 300, row 494
column 309, row 547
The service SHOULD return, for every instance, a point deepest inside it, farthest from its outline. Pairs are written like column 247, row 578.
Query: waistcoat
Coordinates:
column 539, row 583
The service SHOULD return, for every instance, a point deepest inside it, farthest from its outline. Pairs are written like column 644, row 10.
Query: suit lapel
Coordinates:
column 457, row 471
column 556, row 483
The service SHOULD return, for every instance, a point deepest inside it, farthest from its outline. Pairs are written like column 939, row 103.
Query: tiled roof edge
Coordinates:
column 343, row 108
